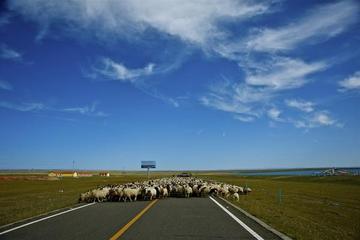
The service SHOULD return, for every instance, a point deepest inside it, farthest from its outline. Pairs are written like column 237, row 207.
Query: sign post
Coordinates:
column 148, row 165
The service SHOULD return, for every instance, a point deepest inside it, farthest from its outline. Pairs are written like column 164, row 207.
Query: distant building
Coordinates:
column 85, row 174
column 104, row 174
column 69, row 174
column 62, row 174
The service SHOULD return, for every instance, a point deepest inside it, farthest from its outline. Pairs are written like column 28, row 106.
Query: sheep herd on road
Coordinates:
column 163, row 188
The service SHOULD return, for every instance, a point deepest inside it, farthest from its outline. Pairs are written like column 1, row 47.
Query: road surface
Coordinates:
column 172, row 218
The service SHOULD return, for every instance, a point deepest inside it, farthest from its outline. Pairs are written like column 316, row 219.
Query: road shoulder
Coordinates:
column 261, row 227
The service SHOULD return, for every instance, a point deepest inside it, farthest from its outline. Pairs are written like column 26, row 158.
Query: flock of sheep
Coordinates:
column 163, row 188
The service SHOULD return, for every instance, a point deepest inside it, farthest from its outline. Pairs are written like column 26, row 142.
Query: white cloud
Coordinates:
column 36, row 107
column 244, row 118
column 247, row 103
column 281, row 72
column 153, row 92
column 322, row 118
column 86, row 110
column 192, row 21
column 305, row 106
column 226, row 105
column 23, row 107
column 274, row 114
column 236, row 98
column 319, row 24
column 317, row 119
column 119, row 71
column 5, row 85
column 9, row 54
column 352, row 82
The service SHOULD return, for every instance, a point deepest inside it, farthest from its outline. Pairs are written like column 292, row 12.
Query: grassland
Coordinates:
column 23, row 196
column 309, row 207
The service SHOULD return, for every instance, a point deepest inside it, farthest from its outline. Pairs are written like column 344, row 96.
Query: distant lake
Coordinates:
column 306, row 172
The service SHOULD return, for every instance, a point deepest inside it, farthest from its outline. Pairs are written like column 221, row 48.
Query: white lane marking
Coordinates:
column 45, row 218
column 252, row 232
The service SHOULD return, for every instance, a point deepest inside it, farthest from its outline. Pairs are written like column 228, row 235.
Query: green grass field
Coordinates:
column 310, row 207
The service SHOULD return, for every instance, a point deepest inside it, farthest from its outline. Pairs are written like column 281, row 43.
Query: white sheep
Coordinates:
column 164, row 193
column 247, row 190
column 188, row 191
column 150, row 193
column 100, row 194
column 235, row 197
column 130, row 193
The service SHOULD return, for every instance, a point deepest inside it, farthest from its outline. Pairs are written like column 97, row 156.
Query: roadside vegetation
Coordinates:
column 303, row 207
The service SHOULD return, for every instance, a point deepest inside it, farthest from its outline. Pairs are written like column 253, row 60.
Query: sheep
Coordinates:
column 233, row 189
column 100, row 194
column 130, row 193
column 149, row 193
column 235, row 197
column 224, row 192
column 204, row 191
column 163, row 188
column 164, row 193
column 247, row 190
column 85, row 197
column 240, row 190
column 188, row 191
column 196, row 191
column 115, row 194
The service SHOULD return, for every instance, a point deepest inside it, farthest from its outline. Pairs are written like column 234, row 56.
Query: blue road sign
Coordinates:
column 148, row 164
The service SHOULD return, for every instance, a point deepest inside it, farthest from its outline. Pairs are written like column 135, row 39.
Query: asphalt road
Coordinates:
column 172, row 218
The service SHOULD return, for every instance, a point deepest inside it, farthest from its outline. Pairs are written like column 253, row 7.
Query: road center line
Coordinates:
column 252, row 232
column 132, row 221
column 45, row 218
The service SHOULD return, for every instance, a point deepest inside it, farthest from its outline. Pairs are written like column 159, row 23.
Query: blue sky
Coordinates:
column 211, row 84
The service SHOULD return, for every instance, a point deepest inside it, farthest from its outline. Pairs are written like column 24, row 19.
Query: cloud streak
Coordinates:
column 9, row 54
column 238, row 98
column 39, row 107
column 118, row 71
column 319, row 24
column 23, row 107
column 4, row 85
column 317, row 119
column 305, row 106
column 248, row 103
column 86, row 110
column 244, row 118
column 136, row 76
column 281, row 72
